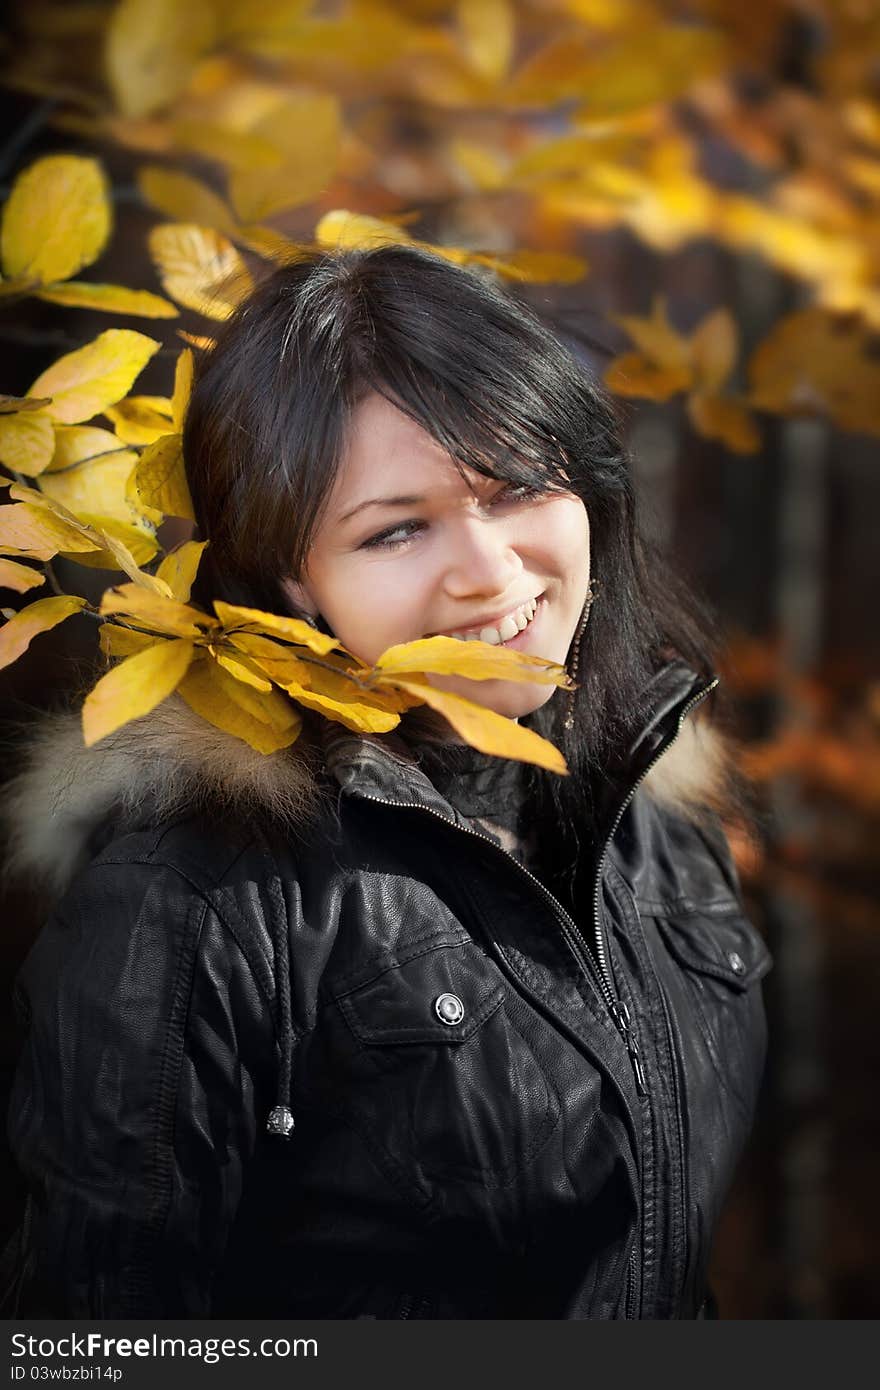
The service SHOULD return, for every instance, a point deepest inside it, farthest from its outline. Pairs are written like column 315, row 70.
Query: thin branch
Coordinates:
column 30, row 128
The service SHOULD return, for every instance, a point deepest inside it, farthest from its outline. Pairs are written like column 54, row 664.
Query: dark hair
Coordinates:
column 500, row 392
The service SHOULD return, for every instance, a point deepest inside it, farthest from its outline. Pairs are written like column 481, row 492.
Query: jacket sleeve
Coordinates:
column 134, row 1108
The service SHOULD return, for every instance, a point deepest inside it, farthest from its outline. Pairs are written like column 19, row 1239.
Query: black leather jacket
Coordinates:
column 498, row 1111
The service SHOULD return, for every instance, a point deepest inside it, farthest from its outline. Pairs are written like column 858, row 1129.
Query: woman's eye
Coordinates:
column 392, row 538
column 396, row 536
column 517, row 492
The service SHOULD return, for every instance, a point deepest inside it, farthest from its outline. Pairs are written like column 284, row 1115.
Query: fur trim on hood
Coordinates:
column 67, row 800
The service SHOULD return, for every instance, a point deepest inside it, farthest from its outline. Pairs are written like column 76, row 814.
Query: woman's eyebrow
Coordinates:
column 405, row 501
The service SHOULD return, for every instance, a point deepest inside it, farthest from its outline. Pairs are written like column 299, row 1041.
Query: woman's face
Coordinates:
column 405, row 550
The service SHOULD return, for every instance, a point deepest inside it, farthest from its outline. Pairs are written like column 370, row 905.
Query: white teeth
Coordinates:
column 509, row 626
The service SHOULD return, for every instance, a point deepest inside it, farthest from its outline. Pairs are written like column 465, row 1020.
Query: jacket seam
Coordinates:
column 224, row 911
column 137, row 1282
column 686, row 907
column 338, row 994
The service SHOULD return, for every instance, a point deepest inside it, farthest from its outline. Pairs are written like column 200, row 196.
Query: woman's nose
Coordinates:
column 481, row 558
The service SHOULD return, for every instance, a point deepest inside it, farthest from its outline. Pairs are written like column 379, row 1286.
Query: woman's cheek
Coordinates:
column 374, row 611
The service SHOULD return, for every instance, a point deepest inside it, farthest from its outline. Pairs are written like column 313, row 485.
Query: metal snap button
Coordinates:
column 736, row 962
column 449, row 1008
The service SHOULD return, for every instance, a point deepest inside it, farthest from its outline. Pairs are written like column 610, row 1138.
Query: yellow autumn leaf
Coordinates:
column 183, row 379
column 27, row 442
column 340, row 700
column 110, row 299
column 32, row 531
column 12, row 405
column 179, row 568
column 634, row 375
column 713, row 349
column 787, row 240
column 266, row 242
column 725, row 419
column 95, row 485
column 478, row 661
column 81, row 445
column 265, row 703
column 239, row 18
column 134, row 687
column 74, row 538
column 199, row 268
column 233, row 616
column 197, row 340
column 655, row 336
column 138, row 544
column 18, row 632
column 57, row 219
column 241, row 668
column 166, row 615
column 151, row 49
column 160, row 478
column 534, row 267
column 653, row 62
column 204, row 692
column 342, row 230
column 184, row 198
column 84, row 382
column 488, row 34
column 486, row 168
column 278, row 662
column 305, row 133
column 21, row 578
column 118, row 642
column 141, row 419
column 487, row 731
column 237, row 149
column 813, row 362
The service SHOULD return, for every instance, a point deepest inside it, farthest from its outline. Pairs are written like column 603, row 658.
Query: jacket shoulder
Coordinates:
column 675, row 862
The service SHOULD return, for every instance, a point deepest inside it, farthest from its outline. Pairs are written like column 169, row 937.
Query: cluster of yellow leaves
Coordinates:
column 56, row 221
column 665, row 363
column 810, row 363
column 258, row 88
column 43, row 435
column 240, row 668
column 99, row 496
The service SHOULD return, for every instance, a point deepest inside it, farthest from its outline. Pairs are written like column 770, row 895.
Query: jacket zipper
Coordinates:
column 619, row 1012
column 595, row 966
column 632, row 1046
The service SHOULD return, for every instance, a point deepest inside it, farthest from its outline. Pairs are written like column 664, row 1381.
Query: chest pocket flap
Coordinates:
column 727, row 947
column 441, row 995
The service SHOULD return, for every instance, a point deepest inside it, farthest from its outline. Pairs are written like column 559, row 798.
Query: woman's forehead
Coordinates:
column 387, row 452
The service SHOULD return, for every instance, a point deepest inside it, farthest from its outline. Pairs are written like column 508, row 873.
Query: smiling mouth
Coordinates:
column 498, row 634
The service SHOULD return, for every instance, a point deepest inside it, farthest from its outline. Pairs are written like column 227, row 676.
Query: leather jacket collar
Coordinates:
column 382, row 768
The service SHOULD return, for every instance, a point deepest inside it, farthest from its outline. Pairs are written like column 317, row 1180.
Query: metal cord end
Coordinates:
column 280, row 1121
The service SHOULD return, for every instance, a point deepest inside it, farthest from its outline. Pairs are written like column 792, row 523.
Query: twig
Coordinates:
column 29, row 129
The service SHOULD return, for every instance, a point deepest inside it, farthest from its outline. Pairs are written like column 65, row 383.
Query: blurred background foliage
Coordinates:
column 689, row 191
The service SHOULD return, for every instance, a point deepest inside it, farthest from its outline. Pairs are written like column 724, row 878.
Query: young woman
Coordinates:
column 379, row 1026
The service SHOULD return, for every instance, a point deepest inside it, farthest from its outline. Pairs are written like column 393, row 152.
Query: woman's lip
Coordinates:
column 477, row 627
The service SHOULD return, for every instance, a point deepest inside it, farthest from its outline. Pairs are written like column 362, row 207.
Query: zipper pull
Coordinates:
column 621, row 1016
